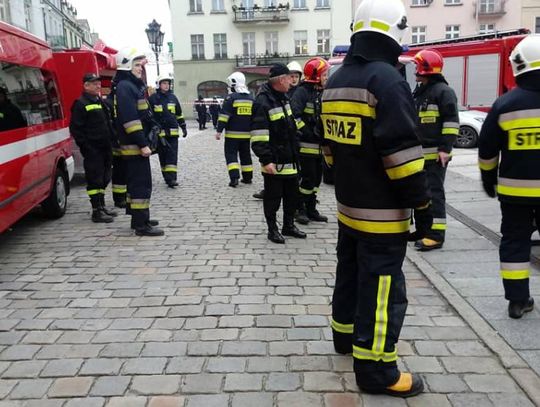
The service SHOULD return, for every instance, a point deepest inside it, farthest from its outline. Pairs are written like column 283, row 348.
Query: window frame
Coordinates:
column 323, row 42
column 221, row 44
column 200, row 45
column 218, row 3
column 450, row 34
column 195, row 6
column 303, row 44
column 301, row 6
column 322, row 4
column 418, row 31
column 269, row 39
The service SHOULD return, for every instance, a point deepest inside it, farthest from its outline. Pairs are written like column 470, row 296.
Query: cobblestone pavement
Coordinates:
column 211, row 314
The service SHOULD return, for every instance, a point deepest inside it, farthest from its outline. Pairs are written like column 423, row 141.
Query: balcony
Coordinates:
column 490, row 8
column 269, row 15
column 261, row 59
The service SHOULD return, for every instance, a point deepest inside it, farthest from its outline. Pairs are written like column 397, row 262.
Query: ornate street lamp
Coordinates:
column 155, row 38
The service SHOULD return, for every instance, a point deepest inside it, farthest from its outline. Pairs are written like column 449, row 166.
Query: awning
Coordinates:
column 255, row 70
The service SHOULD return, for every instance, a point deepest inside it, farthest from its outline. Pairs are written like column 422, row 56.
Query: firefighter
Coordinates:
column 306, row 108
column 168, row 113
column 235, row 119
column 296, row 76
column 509, row 147
column 200, row 108
column 369, row 124
column 133, row 125
column 91, row 128
column 438, row 126
column 214, row 111
column 273, row 140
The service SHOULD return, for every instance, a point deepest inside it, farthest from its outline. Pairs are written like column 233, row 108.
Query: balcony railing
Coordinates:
column 490, row 8
column 56, row 41
column 271, row 15
column 261, row 59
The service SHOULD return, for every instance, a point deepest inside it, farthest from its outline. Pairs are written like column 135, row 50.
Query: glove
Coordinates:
column 423, row 220
column 489, row 189
column 184, row 131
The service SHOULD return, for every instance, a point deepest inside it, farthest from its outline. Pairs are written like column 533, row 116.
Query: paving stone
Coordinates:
column 130, row 401
column 71, row 387
column 110, row 386
column 467, row 348
column 208, row 400
column 431, row 348
column 266, row 364
column 30, row 389
column 203, row 348
column 342, row 400
column 322, row 381
column 469, row 400
column 24, row 369
column 514, row 400
column 156, row 384
column 252, row 399
column 286, row 348
column 274, row 321
column 156, row 349
column 244, row 348
column 187, row 364
column 226, row 365
column 309, row 363
column 490, row 383
column 20, row 352
column 62, row 367
column 445, row 383
column 299, row 399
column 144, row 366
column 99, row 367
column 469, row 364
column 201, row 383
column 166, row 401
column 423, row 364
column 262, row 334
column 298, row 334
column 283, row 382
column 243, row 382
column 429, row 400
column 86, row 402
column 122, row 350
column 6, row 386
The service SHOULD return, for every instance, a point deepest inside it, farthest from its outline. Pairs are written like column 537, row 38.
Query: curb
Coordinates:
column 525, row 377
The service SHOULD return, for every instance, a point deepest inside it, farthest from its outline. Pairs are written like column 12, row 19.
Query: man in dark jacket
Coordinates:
column 273, row 140
column 91, row 128
column 200, row 108
column 214, row 111
column 168, row 114
column 509, row 147
column 438, row 126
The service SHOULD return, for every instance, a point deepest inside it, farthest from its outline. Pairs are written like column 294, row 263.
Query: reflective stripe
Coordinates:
column 93, row 107
column 450, row 131
column 92, row 192
column 300, row 124
column 169, row 168
column 306, row 191
column 283, row 169
column 402, row 156
column 438, row 226
column 119, row 189
column 429, row 113
column 454, row 125
column 312, row 151
column 405, row 170
column 131, row 149
column 278, row 113
column 368, row 354
column 162, row 133
column 142, row 104
column 171, row 107
column 1, row 115
column 353, row 94
column 342, row 328
column 430, row 153
column 518, row 187
column 519, row 119
column 515, row 266
column 133, row 126
column 488, row 164
column 139, row 203
column 309, row 145
column 174, row 132
column 358, row 108
column 238, row 135
column 158, row 108
column 381, row 314
column 242, row 103
column 180, row 117
column 255, row 139
column 223, row 117
column 378, row 227
column 515, row 274
column 329, row 160
column 309, row 110
column 380, row 215
column 233, row 166
column 247, row 168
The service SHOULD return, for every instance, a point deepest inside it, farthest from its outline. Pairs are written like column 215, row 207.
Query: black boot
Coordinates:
column 290, row 230
column 259, row 195
column 301, row 217
column 233, row 183
column 99, row 216
column 149, row 222
column 312, row 212
column 149, row 230
column 516, row 309
column 120, row 204
column 275, row 236
column 110, row 212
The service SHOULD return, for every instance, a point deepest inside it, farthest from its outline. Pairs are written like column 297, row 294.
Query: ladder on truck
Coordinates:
column 477, row 37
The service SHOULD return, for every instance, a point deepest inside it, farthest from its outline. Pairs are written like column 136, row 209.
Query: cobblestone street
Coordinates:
column 211, row 314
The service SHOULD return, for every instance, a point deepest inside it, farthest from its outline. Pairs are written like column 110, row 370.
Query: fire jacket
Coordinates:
column 369, row 125
column 134, row 116
column 90, row 121
column 306, row 107
column 438, row 117
column 167, row 112
column 509, row 143
column 273, row 131
column 235, row 116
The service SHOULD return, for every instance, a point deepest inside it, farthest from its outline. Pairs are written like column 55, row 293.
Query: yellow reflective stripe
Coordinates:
column 450, row 130
column 247, row 168
column 171, row 107
column 306, row 191
column 515, row 274
column 169, row 168
column 179, row 117
column 405, row 170
column 276, row 116
column 358, row 108
column 233, row 166
column 438, row 226
column 518, row 191
column 379, row 25
column 92, row 192
column 368, row 354
column 300, row 124
column 342, row 328
column 286, row 170
column 1, row 115
column 431, row 156
column 309, row 110
column 119, row 189
column 134, row 205
column 255, row 139
column 238, row 135
column 489, row 164
column 142, row 104
column 378, row 227
column 242, row 104
column 305, row 150
column 158, row 108
column 130, row 149
column 429, row 113
column 381, row 314
column 174, row 132
column 223, row 118
column 162, row 133
column 133, row 129
column 520, row 123
column 93, row 107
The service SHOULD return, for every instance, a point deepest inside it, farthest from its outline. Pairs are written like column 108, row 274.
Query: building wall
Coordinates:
column 530, row 14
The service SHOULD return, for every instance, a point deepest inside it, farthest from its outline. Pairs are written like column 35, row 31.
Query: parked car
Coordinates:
column 470, row 124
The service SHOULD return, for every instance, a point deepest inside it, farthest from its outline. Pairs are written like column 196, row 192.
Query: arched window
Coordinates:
column 254, row 86
column 209, row 89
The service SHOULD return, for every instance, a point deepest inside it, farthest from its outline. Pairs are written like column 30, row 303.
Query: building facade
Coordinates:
column 213, row 38
column 530, row 15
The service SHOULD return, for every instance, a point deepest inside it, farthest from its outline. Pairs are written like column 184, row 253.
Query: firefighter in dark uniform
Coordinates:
column 200, row 108
column 235, row 119
column 92, row 130
column 133, row 124
column 273, row 140
column 306, row 107
column 168, row 114
column 438, row 126
column 369, row 123
column 509, row 147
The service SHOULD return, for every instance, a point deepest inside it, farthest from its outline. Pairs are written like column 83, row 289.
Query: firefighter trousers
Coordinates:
column 119, row 183
column 277, row 188
column 235, row 148
column 168, row 159
column 515, row 248
column 368, row 306
column 97, row 162
column 139, row 190
column 435, row 176
column 310, row 180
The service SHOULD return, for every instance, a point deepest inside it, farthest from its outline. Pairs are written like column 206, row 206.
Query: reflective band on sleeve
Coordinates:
column 342, row 328
column 405, row 170
column 300, row 124
column 488, row 164
column 276, row 114
column 180, row 117
column 158, row 108
column 142, row 104
column 450, row 131
column 93, row 107
column 312, row 151
column 260, row 135
column 515, row 274
column 428, row 113
column 402, row 156
column 438, row 226
column 238, row 135
column 133, row 126
column 518, row 187
column 131, row 149
column 309, row 110
column 354, row 94
column 174, row 132
column 162, row 133
column 223, row 117
column 329, row 160
column 357, row 108
column 306, row 191
column 119, row 189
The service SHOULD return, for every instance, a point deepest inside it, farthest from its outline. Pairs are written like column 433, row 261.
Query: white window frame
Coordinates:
column 300, row 42
column 322, row 4
column 218, row 5
column 418, row 34
column 452, row 31
column 323, row 42
column 452, row 2
column 271, row 39
column 299, row 4
column 220, row 45
column 419, row 3
column 487, row 6
column 248, row 44
column 486, row 28
column 197, row 45
column 195, row 6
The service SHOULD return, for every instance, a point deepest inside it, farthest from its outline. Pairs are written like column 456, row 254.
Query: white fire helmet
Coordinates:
column 162, row 78
column 386, row 17
column 525, row 57
column 295, row 67
column 125, row 58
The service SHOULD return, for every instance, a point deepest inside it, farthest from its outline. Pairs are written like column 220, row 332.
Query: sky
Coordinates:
column 121, row 23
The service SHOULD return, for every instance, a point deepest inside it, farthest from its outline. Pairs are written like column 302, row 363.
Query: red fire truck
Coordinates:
column 36, row 163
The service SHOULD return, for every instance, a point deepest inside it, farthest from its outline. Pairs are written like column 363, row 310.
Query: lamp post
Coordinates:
column 155, row 38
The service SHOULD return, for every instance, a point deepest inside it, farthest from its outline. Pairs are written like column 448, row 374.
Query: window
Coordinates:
column 486, row 28
column 3, row 10
column 323, row 3
column 31, row 96
column 195, row 6
column 418, row 34
column 197, row 46
column 271, row 40
column 220, row 46
column 420, row 3
column 217, row 5
column 248, row 44
column 299, row 4
column 451, row 2
column 452, row 31
column 537, row 25
column 269, row 3
column 300, row 43
column 323, row 41
column 487, row 6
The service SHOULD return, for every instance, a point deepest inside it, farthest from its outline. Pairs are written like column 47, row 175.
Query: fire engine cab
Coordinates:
column 36, row 162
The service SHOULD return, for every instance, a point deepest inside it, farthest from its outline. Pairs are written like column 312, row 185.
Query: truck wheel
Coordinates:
column 55, row 205
column 467, row 137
